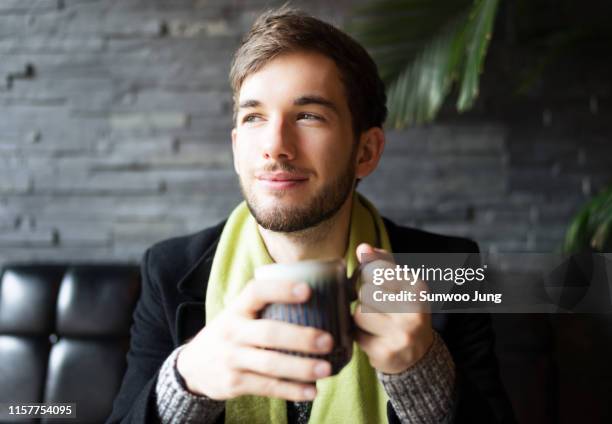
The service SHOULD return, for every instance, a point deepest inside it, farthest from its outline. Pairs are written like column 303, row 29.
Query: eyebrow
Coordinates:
column 249, row 104
column 300, row 101
column 315, row 100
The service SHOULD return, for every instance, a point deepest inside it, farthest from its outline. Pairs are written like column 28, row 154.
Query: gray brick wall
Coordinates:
column 114, row 133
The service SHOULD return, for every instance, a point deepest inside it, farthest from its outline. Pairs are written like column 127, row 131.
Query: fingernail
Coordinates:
column 310, row 393
column 324, row 341
column 300, row 290
column 322, row 369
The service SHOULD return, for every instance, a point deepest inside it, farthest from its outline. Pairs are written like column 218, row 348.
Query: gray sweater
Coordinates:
column 422, row 394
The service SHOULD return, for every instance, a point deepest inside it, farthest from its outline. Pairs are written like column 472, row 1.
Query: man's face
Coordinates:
column 293, row 143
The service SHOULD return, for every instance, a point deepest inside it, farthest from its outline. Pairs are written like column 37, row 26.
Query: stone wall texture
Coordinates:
column 114, row 133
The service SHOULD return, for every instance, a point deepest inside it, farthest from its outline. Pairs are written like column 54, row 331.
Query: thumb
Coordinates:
column 367, row 253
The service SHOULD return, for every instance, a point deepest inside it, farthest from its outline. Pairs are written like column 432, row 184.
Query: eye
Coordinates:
column 309, row 116
column 251, row 118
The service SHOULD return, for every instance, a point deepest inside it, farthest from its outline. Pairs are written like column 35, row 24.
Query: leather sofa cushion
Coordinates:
column 64, row 334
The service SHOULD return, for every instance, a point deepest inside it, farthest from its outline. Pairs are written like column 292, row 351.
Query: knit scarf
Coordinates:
column 354, row 395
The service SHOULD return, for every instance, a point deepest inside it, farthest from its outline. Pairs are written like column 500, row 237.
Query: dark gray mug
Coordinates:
column 328, row 307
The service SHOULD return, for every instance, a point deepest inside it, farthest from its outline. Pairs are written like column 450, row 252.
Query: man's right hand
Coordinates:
column 227, row 358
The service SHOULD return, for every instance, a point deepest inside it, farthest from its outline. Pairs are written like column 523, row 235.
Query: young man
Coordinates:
column 309, row 110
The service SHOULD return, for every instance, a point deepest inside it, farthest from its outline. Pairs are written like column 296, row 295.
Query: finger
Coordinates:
column 374, row 323
column 414, row 318
column 259, row 293
column 282, row 335
column 367, row 253
column 280, row 365
column 384, row 255
column 383, row 300
column 255, row 384
column 363, row 250
column 368, row 305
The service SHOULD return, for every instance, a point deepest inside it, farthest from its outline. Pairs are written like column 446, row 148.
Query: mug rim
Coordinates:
column 308, row 269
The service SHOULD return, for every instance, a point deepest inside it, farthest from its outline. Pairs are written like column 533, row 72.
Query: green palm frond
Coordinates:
column 591, row 228
column 478, row 28
column 422, row 47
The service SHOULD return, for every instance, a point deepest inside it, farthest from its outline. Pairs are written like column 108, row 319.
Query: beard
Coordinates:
column 309, row 212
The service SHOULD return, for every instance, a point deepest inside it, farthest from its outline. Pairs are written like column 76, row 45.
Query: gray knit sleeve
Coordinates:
column 424, row 393
column 176, row 404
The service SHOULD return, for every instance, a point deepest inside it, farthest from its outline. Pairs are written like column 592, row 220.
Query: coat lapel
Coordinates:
column 191, row 311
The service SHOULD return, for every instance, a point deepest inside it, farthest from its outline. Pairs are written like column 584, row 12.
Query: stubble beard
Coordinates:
column 318, row 209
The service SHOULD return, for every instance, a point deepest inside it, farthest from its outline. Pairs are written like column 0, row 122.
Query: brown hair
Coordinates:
column 286, row 30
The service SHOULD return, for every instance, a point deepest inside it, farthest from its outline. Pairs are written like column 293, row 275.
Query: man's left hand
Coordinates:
column 393, row 341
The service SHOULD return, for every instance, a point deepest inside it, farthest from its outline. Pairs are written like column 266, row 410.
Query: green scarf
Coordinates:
column 355, row 394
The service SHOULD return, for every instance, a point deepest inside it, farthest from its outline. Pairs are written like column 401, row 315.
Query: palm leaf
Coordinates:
column 478, row 28
column 602, row 235
column 592, row 225
column 422, row 47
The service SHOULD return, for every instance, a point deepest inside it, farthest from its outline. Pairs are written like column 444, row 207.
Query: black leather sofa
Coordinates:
column 64, row 333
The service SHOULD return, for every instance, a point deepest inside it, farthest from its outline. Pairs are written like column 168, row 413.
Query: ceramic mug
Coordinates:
column 327, row 308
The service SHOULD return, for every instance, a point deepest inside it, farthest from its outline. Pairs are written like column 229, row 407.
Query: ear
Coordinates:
column 371, row 146
column 235, row 156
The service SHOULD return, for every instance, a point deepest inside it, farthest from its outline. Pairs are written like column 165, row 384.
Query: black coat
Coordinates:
column 171, row 310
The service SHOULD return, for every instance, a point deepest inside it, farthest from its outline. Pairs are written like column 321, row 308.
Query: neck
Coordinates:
column 327, row 240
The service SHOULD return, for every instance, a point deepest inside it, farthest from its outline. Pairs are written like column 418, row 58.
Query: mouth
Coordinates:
column 281, row 180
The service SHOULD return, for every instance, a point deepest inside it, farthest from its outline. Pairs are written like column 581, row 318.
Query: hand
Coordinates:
column 225, row 359
column 393, row 341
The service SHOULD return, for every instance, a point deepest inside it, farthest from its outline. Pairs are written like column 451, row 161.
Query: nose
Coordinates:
column 279, row 140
